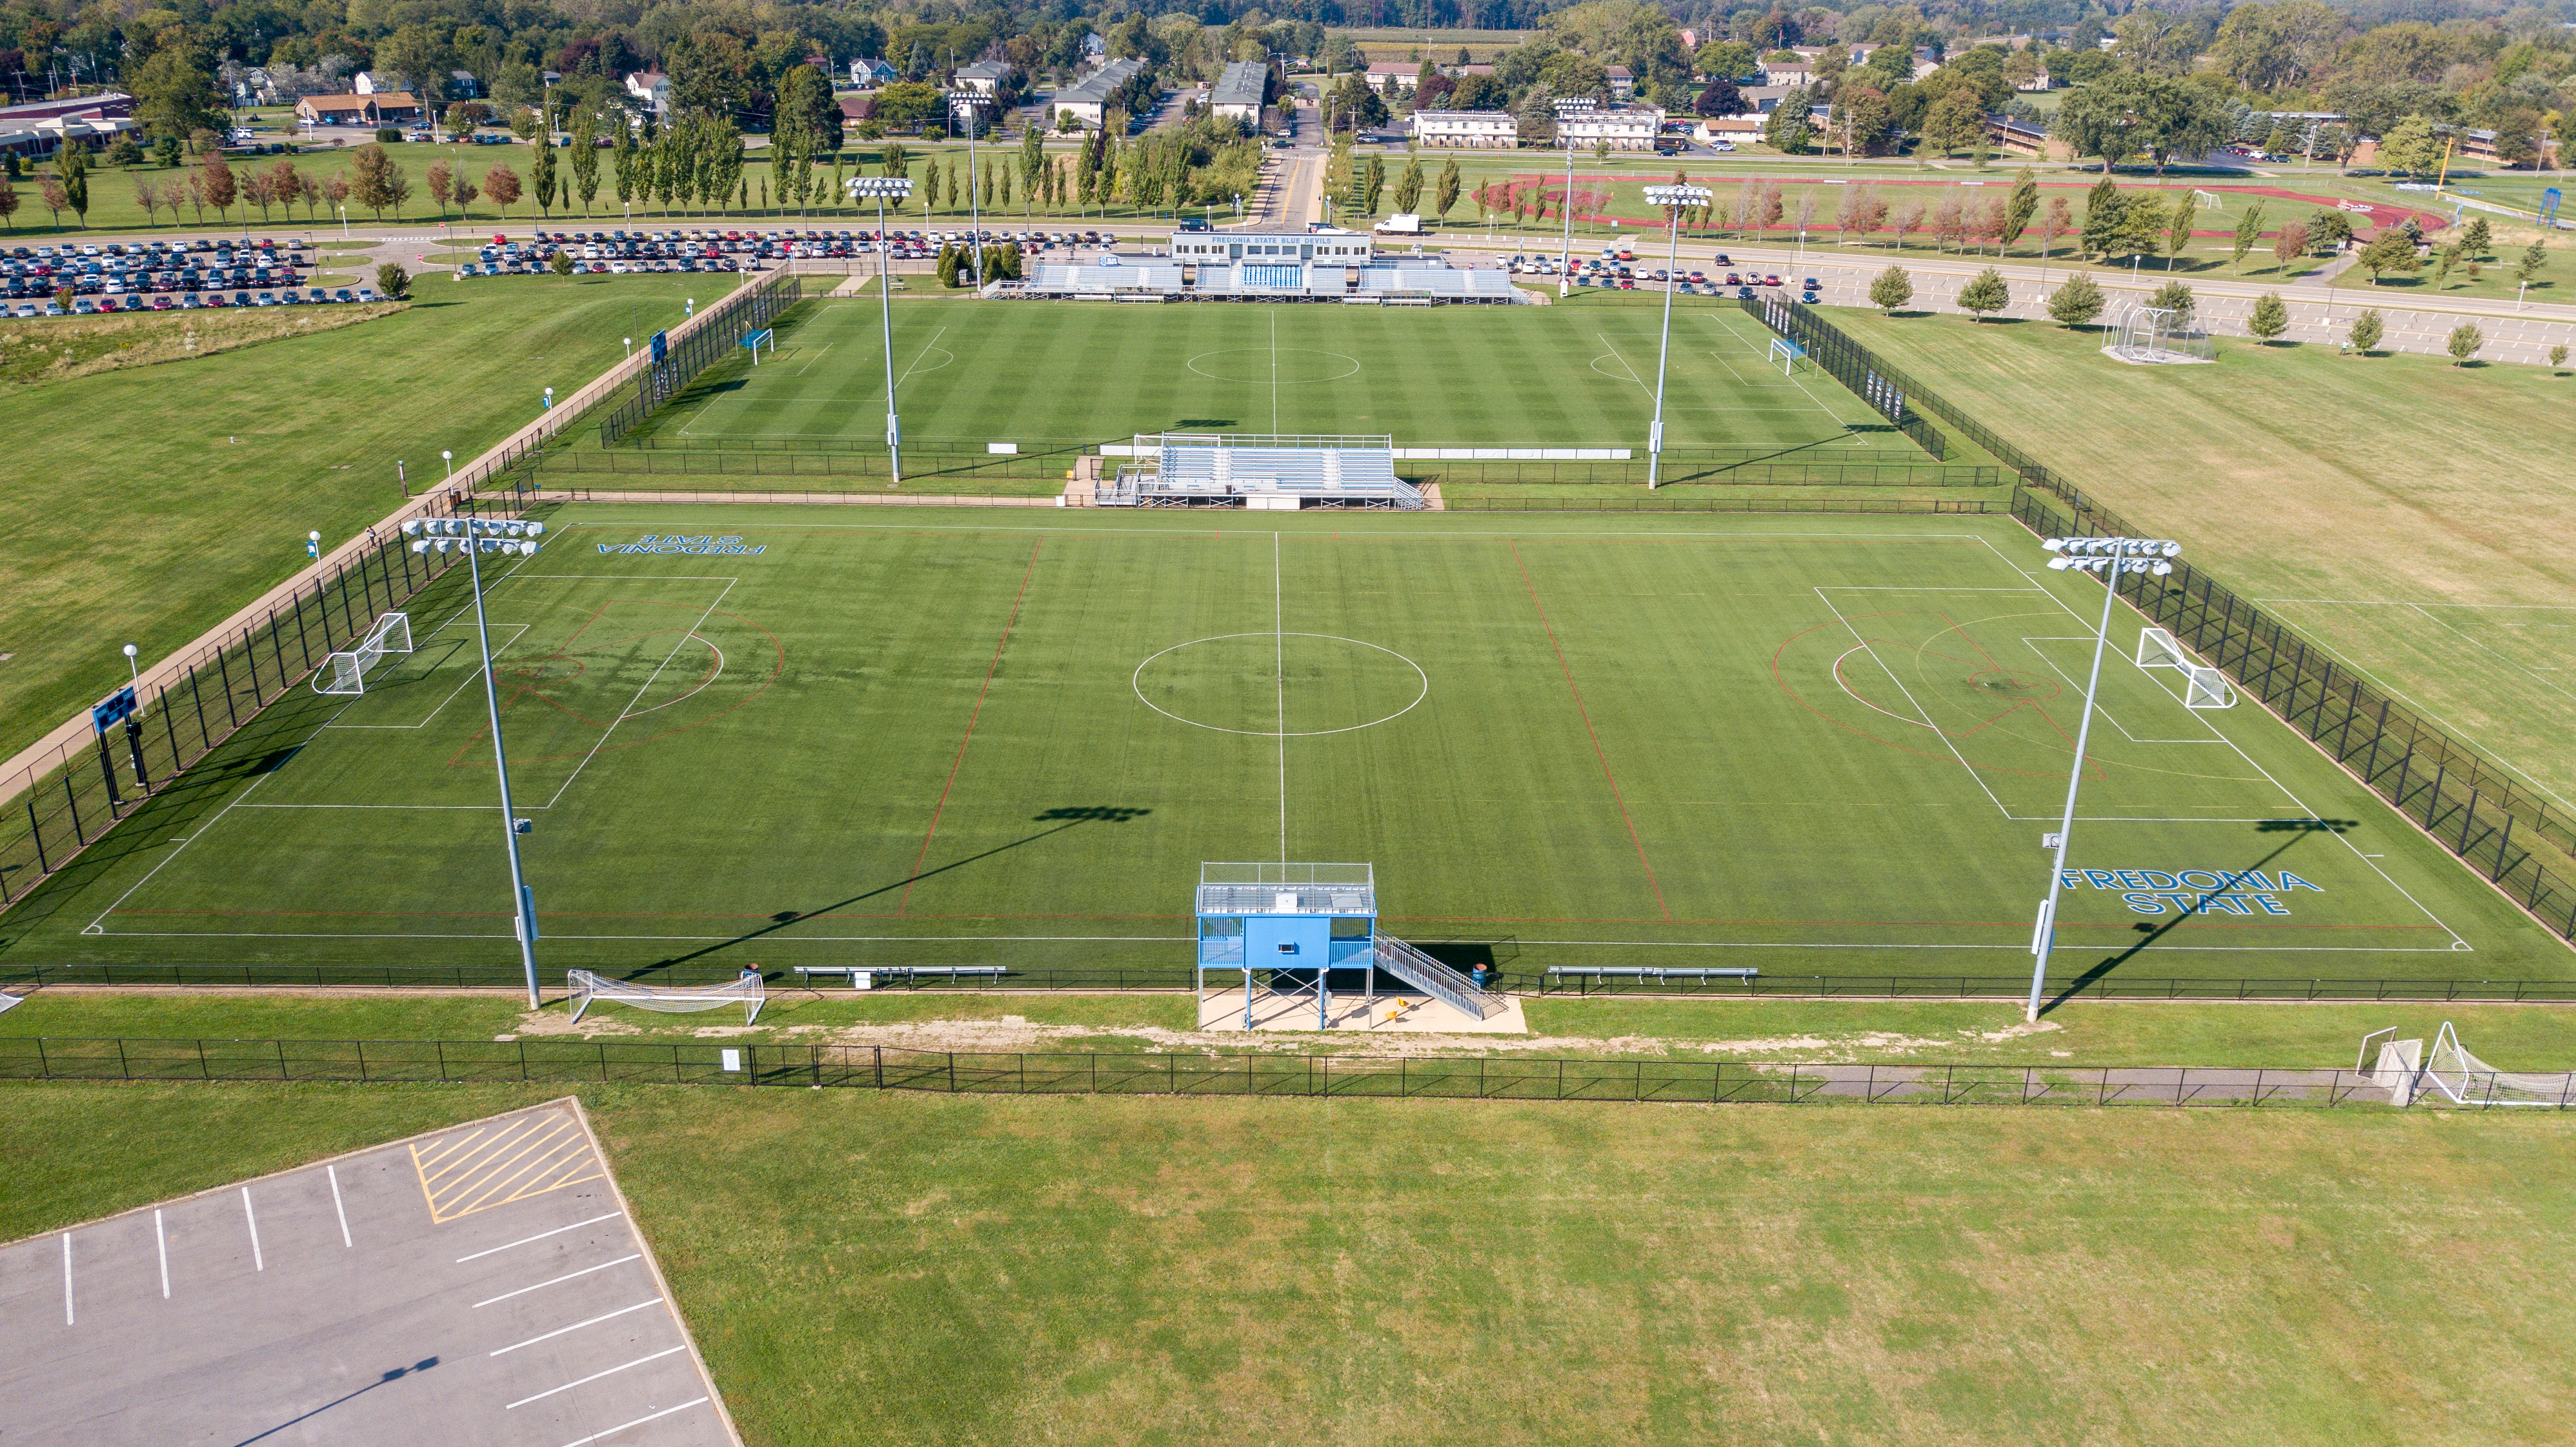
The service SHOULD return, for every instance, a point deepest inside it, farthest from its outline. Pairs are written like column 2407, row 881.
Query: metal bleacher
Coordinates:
column 1178, row 469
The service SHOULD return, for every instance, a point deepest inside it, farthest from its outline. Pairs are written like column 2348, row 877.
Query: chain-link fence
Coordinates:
column 1479, row 1077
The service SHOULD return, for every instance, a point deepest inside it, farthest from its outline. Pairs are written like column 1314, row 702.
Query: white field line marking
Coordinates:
column 1673, row 534
column 161, row 1243
column 471, row 674
column 1279, row 675
column 98, row 925
column 2296, row 802
column 703, row 684
column 1948, row 742
column 1274, row 371
column 2104, row 709
column 337, row 1209
column 628, row 711
column 595, row 1376
column 257, row 1261
column 810, row 361
column 1604, row 339
column 67, row 1278
column 567, row 1276
column 926, row 349
column 638, row 1422
column 540, row 1236
column 1728, row 327
column 576, row 1326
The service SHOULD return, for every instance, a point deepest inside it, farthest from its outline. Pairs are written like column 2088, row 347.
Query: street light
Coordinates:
column 883, row 189
column 2110, row 558
column 630, row 347
column 972, row 101
column 474, row 537
column 1672, row 199
column 1568, row 107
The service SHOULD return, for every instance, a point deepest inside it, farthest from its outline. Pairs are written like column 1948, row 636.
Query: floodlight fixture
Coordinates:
column 883, row 189
column 2110, row 558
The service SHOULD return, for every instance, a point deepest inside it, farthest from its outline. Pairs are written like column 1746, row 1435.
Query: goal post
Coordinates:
column 2464, row 1079
column 346, row 671
column 1785, row 354
column 2206, row 688
column 2157, row 649
column 755, row 340
column 589, row 989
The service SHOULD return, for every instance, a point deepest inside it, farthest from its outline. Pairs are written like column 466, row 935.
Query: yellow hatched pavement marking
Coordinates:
column 494, row 1165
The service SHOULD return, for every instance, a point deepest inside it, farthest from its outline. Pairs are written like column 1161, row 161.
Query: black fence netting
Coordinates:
column 729, row 320
column 1849, row 363
column 67, row 801
column 1480, row 1077
column 2469, row 803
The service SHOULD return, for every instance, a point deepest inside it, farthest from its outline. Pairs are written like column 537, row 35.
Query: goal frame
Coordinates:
column 1786, row 354
column 345, row 672
column 588, row 989
column 2157, row 648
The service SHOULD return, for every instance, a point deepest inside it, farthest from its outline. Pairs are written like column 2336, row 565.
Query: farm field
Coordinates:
column 1462, row 376
column 2388, row 507
column 1817, row 745
column 196, row 488
column 1300, row 1270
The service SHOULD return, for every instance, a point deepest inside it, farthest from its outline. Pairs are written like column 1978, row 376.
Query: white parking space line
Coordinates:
column 540, row 1236
column 549, row 1336
column 638, row 1422
column 567, row 1276
column 257, row 1262
column 162, row 1242
column 595, row 1376
column 67, row 1278
column 338, row 1209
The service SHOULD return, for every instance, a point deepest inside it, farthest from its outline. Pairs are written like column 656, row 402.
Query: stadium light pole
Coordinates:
column 2108, row 557
column 475, row 537
column 1566, row 107
column 883, row 188
column 974, row 102
column 1672, row 199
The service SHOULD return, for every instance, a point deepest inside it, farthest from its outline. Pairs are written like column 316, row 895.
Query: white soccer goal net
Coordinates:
column 2203, row 686
column 2466, row 1080
column 747, row 991
column 347, row 672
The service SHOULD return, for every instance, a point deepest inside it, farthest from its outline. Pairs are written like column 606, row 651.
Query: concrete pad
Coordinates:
column 482, row 1284
column 1389, row 1014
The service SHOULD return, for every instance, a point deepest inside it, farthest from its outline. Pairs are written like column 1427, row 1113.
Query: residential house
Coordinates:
column 1622, row 83
column 1784, row 73
column 869, row 74
column 1469, row 130
column 2024, row 138
column 382, row 108
column 1389, row 76
column 461, row 85
column 1622, row 128
column 1241, row 92
column 651, row 87
column 984, row 77
column 366, row 83
column 1087, row 100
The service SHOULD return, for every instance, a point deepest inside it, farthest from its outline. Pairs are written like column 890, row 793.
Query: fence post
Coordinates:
column 880, row 1065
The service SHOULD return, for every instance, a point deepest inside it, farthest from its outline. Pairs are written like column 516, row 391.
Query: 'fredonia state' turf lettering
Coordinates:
column 2149, row 891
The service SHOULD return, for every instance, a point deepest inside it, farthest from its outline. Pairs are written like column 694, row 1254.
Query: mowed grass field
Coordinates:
column 1811, row 745
column 2403, row 512
column 1563, row 376
column 1091, row 1270
column 186, row 487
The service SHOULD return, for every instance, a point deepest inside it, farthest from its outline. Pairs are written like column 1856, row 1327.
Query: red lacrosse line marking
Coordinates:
column 960, row 761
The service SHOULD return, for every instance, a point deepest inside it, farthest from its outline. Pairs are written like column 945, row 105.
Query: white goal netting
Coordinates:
column 588, row 989
column 347, row 672
column 2154, row 335
column 2466, row 1080
column 2203, row 686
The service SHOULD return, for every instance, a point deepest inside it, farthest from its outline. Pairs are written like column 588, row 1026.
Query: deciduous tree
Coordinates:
column 2366, row 331
column 1892, row 289
column 2076, row 302
column 2463, row 344
column 502, row 185
column 216, row 178
column 2389, row 251
column 1985, row 294
column 2270, row 319
column 371, row 173
column 2249, row 229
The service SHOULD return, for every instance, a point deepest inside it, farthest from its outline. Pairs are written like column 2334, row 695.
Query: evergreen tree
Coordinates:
column 585, row 157
column 2023, row 205
column 2104, row 208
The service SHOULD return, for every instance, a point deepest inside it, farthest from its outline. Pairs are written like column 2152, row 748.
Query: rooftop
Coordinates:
column 1093, row 89
column 1245, row 83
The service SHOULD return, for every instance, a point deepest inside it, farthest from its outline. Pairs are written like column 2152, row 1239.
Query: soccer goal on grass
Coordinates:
column 1787, row 355
column 756, row 340
column 589, row 989
column 2203, row 686
column 347, row 672
column 2467, row 1080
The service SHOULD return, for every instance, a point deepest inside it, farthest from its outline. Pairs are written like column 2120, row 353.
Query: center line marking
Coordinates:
column 576, row 1326
column 595, row 1376
column 257, row 1263
column 567, row 1276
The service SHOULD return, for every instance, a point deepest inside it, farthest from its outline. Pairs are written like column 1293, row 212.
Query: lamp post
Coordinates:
column 1672, row 199
column 883, row 189
column 972, row 101
column 2108, row 557
column 450, row 459
column 1568, row 107
column 475, row 537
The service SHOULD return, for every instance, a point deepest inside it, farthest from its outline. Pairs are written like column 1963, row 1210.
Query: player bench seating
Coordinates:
column 1658, row 972
column 864, row 977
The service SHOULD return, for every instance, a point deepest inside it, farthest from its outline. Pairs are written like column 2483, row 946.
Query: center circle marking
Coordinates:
column 1323, row 367
column 1136, row 682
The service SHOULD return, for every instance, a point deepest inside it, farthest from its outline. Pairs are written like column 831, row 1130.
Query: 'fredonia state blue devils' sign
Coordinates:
column 2194, row 891
column 704, row 543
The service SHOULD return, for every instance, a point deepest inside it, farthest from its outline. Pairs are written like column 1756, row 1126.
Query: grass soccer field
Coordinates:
column 1811, row 745
column 1559, row 376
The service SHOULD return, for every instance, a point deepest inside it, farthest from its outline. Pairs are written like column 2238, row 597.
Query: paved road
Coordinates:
column 479, row 1285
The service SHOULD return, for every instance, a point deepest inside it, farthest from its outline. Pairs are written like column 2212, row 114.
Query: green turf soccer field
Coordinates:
column 1810, row 745
column 1564, row 376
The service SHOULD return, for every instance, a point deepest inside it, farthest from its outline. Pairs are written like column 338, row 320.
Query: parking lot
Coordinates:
column 479, row 1285
column 157, row 275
